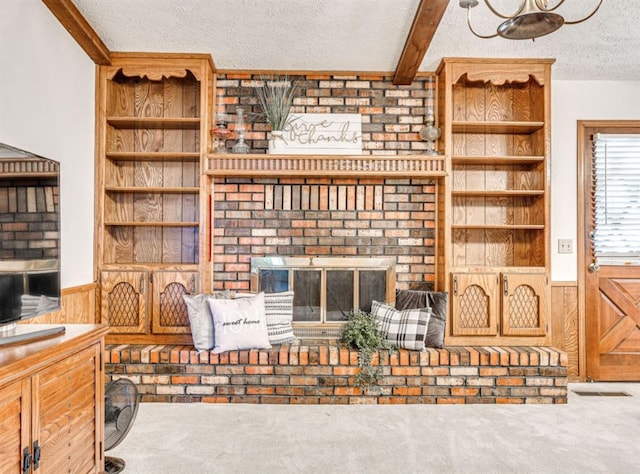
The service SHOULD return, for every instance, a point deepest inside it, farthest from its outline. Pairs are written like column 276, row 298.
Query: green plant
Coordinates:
column 276, row 99
column 362, row 333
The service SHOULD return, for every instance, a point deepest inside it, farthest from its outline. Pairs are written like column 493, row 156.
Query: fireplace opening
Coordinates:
column 326, row 289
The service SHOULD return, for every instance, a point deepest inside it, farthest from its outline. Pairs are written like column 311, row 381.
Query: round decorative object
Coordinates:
column 429, row 133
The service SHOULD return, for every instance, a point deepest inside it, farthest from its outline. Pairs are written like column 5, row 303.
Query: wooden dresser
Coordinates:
column 52, row 402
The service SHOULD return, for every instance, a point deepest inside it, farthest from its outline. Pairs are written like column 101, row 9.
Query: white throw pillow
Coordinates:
column 239, row 324
column 200, row 318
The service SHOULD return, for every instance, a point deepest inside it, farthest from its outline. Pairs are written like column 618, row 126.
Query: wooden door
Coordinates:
column 66, row 414
column 474, row 304
column 613, row 324
column 611, row 293
column 524, row 304
column 124, row 301
column 169, row 311
column 15, row 423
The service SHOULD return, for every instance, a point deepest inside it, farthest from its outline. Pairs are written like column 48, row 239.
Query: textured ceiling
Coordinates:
column 360, row 35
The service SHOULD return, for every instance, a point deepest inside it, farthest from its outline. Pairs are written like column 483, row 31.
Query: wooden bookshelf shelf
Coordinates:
column 496, row 160
column 161, row 123
column 151, row 189
column 487, row 127
column 153, row 156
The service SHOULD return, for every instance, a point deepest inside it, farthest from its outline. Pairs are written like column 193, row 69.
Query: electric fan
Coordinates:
column 120, row 409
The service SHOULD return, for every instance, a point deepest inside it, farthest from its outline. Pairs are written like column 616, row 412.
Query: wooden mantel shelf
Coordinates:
column 417, row 166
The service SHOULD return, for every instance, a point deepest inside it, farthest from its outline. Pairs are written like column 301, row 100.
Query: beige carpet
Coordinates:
column 591, row 434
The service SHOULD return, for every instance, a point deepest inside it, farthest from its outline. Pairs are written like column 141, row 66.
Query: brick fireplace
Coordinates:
column 339, row 217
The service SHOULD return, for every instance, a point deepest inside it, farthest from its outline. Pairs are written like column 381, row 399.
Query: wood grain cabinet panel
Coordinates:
column 141, row 303
column 497, row 306
column 124, row 301
column 475, row 304
column 52, row 403
column 15, row 422
column 169, row 311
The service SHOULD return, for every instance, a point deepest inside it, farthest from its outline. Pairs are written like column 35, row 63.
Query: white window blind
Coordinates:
column 616, row 191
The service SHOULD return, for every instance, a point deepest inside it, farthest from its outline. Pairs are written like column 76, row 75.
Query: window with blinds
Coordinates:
column 616, row 191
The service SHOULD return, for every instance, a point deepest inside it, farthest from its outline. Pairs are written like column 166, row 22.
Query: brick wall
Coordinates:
column 329, row 217
column 28, row 219
column 318, row 374
column 324, row 217
column 392, row 115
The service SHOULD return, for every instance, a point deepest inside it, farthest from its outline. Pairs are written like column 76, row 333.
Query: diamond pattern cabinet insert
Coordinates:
column 169, row 311
column 124, row 301
column 524, row 304
column 474, row 304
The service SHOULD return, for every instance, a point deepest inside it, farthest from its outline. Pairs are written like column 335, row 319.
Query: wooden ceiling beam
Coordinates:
column 80, row 29
column 425, row 24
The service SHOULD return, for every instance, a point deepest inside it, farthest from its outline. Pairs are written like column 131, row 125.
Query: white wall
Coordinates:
column 572, row 101
column 47, row 108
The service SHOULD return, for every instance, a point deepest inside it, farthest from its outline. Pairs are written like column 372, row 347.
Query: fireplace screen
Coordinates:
column 325, row 289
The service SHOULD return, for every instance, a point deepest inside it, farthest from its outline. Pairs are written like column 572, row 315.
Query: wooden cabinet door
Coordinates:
column 67, row 414
column 169, row 311
column 123, row 303
column 524, row 304
column 15, row 423
column 474, row 304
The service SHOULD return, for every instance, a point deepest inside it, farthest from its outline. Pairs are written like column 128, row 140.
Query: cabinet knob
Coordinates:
column 594, row 267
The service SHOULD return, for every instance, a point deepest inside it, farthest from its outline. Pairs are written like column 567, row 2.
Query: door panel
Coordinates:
column 524, row 304
column 613, row 324
column 474, row 304
column 168, row 308
column 124, row 301
column 15, row 416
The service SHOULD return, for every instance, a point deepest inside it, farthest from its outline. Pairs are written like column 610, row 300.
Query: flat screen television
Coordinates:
column 29, row 242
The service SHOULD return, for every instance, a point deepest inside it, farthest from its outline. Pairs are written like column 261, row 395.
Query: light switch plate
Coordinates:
column 565, row 246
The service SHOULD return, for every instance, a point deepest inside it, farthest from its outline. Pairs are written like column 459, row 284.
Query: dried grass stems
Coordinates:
column 276, row 99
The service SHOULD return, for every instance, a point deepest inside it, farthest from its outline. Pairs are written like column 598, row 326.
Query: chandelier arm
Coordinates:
column 542, row 5
column 586, row 17
column 474, row 31
column 506, row 17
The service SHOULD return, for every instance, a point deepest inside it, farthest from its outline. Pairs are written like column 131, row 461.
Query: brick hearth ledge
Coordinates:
column 324, row 374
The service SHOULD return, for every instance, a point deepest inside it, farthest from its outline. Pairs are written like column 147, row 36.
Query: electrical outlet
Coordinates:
column 565, row 246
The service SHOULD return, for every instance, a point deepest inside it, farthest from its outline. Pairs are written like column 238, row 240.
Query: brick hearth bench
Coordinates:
column 325, row 374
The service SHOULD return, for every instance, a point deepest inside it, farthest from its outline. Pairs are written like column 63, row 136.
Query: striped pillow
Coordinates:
column 404, row 329
column 278, row 308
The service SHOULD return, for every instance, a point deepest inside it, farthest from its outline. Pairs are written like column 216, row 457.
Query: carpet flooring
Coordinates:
column 590, row 434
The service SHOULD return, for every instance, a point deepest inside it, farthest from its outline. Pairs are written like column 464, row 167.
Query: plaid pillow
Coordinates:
column 405, row 329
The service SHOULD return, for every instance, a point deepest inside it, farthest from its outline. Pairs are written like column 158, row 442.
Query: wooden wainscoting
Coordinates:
column 564, row 324
column 78, row 307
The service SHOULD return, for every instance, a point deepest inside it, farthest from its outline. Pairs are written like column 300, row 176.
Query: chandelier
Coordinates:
column 533, row 18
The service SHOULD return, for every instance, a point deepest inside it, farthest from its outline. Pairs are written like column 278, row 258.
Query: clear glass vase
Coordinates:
column 240, row 146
